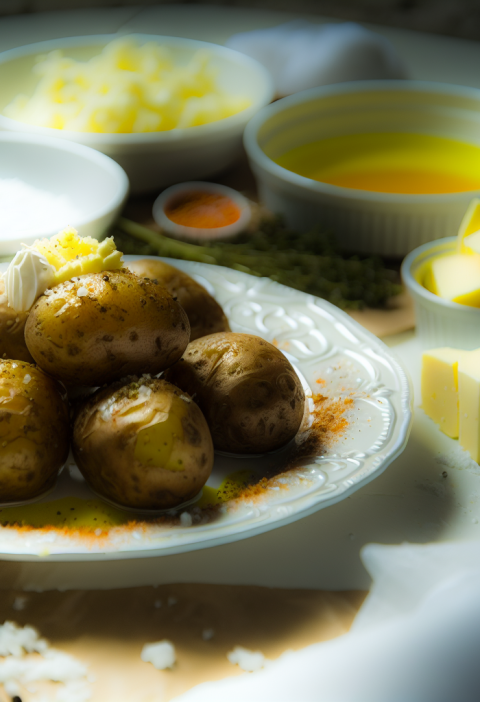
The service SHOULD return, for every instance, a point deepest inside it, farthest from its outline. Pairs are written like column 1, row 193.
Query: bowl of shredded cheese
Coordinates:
column 166, row 109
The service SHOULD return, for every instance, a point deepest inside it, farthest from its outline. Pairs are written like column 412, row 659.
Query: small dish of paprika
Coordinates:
column 199, row 211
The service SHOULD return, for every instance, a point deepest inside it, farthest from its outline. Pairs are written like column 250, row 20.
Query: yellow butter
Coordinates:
column 439, row 385
column 74, row 255
column 469, row 225
column 469, row 403
column 456, row 277
column 471, row 244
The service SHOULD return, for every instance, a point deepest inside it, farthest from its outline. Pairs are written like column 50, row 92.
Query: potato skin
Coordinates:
column 203, row 311
column 119, row 325
column 251, row 397
column 122, row 457
column 34, row 431
column 12, row 331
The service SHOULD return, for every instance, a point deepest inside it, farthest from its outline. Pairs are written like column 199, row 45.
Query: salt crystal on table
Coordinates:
column 19, row 603
column 249, row 661
column 160, row 654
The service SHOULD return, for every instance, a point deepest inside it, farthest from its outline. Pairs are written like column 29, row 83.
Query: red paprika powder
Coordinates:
column 203, row 210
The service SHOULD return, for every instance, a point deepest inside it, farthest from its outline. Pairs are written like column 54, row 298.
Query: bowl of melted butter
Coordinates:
column 385, row 165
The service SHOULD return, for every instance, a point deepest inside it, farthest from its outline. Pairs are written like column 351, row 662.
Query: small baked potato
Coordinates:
column 247, row 389
column 100, row 327
column 203, row 311
column 143, row 444
column 12, row 330
column 34, row 431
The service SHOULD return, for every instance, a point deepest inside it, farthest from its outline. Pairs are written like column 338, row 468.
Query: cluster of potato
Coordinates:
column 141, row 441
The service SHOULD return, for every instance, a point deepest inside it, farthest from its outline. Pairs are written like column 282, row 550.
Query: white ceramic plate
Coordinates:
column 365, row 389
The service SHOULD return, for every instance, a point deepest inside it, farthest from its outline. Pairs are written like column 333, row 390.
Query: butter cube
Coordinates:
column 456, row 277
column 470, row 224
column 440, row 388
column 469, row 402
column 471, row 244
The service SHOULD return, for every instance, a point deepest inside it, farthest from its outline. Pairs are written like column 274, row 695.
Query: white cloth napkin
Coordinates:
column 302, row 55
column 415, row 639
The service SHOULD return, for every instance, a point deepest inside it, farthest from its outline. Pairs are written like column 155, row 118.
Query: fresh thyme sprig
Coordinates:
column 309, row 262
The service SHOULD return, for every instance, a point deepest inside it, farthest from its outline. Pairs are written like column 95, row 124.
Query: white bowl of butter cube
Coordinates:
column 166, row 109
column 443, row 277
column 47, row 184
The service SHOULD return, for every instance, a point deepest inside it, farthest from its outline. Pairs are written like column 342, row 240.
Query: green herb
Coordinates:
column 310, row 262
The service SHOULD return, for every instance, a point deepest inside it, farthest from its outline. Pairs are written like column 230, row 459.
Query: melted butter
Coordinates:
column 209, row 498
column 73, row 513
column 389, row 163
column 154, row 444
column 15, row 405
column 65, row 513
column 229, row 489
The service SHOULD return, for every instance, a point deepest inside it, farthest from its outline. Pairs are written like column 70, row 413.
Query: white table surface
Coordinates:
column 411, row 501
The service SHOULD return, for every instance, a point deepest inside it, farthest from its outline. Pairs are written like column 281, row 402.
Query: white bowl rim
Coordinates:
column 258, row 156
column 418, row 290
column 107, row 164
column 177, row 134
column 184, row 231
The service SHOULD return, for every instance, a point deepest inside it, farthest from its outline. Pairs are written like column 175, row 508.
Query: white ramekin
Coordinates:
column 439, row 322
column 367, row 222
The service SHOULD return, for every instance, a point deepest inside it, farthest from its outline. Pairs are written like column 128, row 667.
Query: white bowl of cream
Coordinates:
column 47, row 184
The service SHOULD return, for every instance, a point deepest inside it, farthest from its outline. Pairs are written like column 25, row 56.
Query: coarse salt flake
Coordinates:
column 27, row 378
column 250, row 661
column 19, row 603
column 82, row 292
column 160, row 654
column 186, row 519
column 26, row 659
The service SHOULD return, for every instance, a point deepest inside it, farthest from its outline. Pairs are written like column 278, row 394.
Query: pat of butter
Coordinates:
column 471, row 243
column 469, row 225
column 456, row 277
column 440, row 388
column 469, row 403
column 73, row 255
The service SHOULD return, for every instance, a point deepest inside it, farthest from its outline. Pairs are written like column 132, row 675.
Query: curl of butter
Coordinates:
column 52, row 261
column 26, row 278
